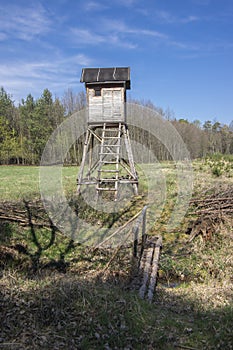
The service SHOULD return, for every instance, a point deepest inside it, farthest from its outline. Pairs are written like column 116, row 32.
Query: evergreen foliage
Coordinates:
column 25, row 129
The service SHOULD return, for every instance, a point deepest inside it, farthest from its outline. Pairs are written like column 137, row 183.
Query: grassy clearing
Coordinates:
column 70, row 300
column 18, row 182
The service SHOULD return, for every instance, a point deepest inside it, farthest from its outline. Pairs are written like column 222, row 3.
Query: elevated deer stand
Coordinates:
column 106, row 167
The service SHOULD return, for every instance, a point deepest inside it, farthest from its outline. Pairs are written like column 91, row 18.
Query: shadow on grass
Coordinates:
column 74, row 313
column 40, row 248
column 39, row 245
column 27, row 246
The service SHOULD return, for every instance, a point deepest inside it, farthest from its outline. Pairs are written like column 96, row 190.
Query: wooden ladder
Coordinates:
column 108, row 171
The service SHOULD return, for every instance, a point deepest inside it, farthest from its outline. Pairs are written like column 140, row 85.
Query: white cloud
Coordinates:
column 43, row 69
column 88, row 37
column 21, row 78
column 189, row 19
column 169, row 18
column 127, row 3
column 85, row 36
column 120, row 27
column 94, row 6
column 23, row 22
column 115, row 33
column 165, row 16
column 146, row 32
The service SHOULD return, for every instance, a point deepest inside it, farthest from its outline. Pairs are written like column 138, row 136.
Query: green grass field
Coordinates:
column 18, row 182
column 58, row 295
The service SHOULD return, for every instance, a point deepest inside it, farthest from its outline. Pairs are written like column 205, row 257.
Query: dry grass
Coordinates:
column 85, row 312
column 86, row 306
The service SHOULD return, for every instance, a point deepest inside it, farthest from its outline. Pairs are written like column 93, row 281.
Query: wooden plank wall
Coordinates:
column 109, row 107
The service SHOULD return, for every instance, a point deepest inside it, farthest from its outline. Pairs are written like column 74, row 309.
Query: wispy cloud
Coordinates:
column 186, row 46
column 85, row 36
column 22, row 77
column 202, row 49
column 159, row 38
column 23, row 22
column 113, row 33
column 169, row 18
column 127, row 3
column 190, row 19
column 43, row 69
column 120, row 27
column 165, row 16
column 94, row 6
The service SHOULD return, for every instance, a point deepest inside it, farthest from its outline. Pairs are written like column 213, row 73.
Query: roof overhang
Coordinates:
column 106, row 76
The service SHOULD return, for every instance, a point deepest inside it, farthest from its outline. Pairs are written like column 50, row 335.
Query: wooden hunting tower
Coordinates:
column 106, row 94
column 106, row 121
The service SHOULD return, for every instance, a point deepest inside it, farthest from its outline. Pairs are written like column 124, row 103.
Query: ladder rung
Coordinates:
column 108, row 180
column 109, row 162
column 111, row 131
column 111, row 137
column 86, row 182
column 128, row 181
column 108, row 171
column 105, row 189
column 108, row 145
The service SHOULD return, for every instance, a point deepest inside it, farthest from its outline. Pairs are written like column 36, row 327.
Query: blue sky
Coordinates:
column 180, row 51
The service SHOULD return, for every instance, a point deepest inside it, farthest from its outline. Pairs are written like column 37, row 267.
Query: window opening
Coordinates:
column 97, row 91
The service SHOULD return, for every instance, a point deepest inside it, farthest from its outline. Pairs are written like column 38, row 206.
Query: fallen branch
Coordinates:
column 184, row 347
column 194, row 200
column 118, row 230
column 155, row 266
column 24, row 222
column 214, row 211
column 112, row 258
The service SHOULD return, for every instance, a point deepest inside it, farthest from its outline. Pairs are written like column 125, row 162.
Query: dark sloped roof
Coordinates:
column 93, row 75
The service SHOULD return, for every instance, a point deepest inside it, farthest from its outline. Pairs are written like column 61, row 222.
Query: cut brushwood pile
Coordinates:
column 214, row 211
column 25, row 213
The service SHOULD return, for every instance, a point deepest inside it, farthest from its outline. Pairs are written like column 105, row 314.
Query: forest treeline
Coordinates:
column 25, row 129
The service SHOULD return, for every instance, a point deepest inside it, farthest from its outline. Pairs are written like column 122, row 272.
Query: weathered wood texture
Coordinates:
column 148, row 267
column 146, row 252
column 108, row 107
column 110, row 167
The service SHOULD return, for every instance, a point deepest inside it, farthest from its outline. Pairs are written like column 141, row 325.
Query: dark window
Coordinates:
column 97, row 91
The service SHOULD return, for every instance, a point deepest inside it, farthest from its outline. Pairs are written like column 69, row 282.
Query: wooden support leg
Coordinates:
column 90, row 155
column 130, row 157
column 85, row 150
